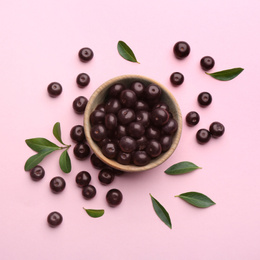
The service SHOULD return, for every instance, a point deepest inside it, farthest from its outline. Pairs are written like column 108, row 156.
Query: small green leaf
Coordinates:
column 196, row 199
column 125, row 51
column 226, row 75
column 57, row 132
column 65, row 163
column 95, row 213
column 37, row 158
column 161, row 212
column 181, row 167
column 39, row 144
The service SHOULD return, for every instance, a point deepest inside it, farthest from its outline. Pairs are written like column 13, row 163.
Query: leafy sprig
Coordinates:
column 43, row 147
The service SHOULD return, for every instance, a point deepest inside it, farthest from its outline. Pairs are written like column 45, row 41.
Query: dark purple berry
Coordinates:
column 141, row 143
column 37, row 173
column 127, row 144
column 170, row 127
column 98, row 132
column 128, row 98
column 110, row 121
column 124, row 158
column 216, row 129
column 135, row 129
column 54, row 89
column 192, row 118
column 114, row 197
column 79, row 104
column 181, row 50
column 153, row 148
column 207, row 63
column 159, row 117
column 143, row 117
column 152, row 92
column 141, row 158
column 110, row 150
column 138, row 88
column 96, row 162
column 89, row 192
column 115, row 90
column 97, row 117
column 85, row 54
column 125, row 116
column 83, row 178
column 203, row 136
column 54, row 219
column 141, row 105
column 152, row 132
column 57, row 184
column 81, row 151
column 204, row 99
column 82, row 80
column 176, row 78
column 106, row 176
column 166, row 142
column 77, row 133
column 113, row 105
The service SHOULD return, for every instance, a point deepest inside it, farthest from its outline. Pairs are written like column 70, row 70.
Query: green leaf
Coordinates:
column 125, row 51
column 65, row 163
column 37, row 158
column 95, row 213
column 196, row 199
column 181, row 167
column 39, row 144
column 226, row 75
column 57, row 132
column 161, row 212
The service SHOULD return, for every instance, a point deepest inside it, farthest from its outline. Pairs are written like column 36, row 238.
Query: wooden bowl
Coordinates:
column 98, row 97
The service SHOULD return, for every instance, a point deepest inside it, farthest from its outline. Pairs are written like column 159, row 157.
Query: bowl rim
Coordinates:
column 96, row 149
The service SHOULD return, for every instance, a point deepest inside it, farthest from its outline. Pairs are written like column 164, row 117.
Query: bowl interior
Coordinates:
column 99, row 96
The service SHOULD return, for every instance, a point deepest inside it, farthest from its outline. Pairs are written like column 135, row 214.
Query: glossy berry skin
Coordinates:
column 83, row 178
column 114, row 197
column 82, row 80
column 152, row 132
column 110, row 121
column 166, row 142
column 159, row 117
column 37, row 173
column 143, row 117
column 54, row 89
column 152, row 92
column 57, row 184
column 110, row 150
column 141, row 143
column 77, row 133
column 153, row 148
column 128, row 98
column 97, row 117
column 79, row 104
column 54, row 219
column 124, row 158
column 81, row 151
column 98, row 132
column 96, row 162
column 120, row 131
column 207, row 63
column 85, row 54
column 203, row 136
column 204, row 99
column 135, row 130
column 141, row 158
column 141, row 105
column 138, row 88
column 115, row 90
column 89, row 192
column 113, row 105
column 170, row 127
column 216, row 129
column 192, row 118
column 127, row 144
column 176, row 78
column 125, row 116
column 181, row 50
column 106, row 176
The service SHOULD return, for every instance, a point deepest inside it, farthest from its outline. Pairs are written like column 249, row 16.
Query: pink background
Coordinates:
column 39, row 42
